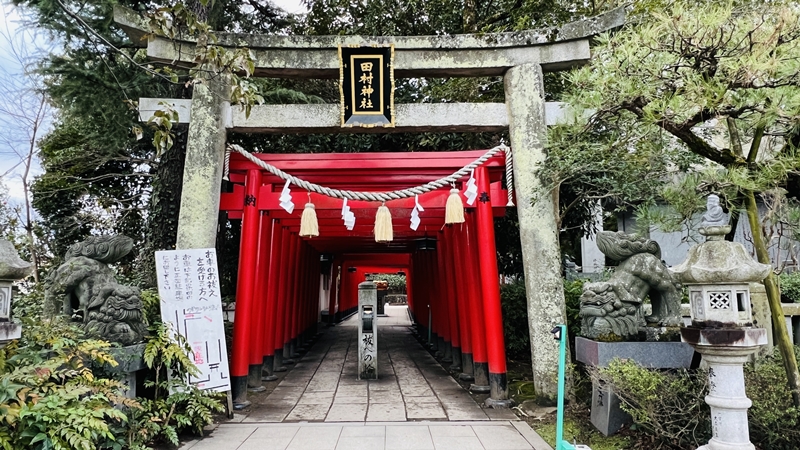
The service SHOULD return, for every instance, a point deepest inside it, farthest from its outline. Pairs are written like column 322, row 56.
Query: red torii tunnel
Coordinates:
column 286, row 282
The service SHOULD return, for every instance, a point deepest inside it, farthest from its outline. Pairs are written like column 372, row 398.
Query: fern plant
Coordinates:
column 176, row 406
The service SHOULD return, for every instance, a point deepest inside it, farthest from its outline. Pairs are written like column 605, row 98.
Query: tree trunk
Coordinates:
column 781, row 334
column 28, row 161
column 470, row 24
column 165, row 203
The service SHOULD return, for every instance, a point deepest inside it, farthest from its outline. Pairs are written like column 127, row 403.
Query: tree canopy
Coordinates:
column 706, row 96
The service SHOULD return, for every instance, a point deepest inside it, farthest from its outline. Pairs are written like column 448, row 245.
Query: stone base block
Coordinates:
column 606, row 414
column 654, row 355
column 9, row 331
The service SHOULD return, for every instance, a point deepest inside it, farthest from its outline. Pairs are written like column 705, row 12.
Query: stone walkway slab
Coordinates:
column 414, row 404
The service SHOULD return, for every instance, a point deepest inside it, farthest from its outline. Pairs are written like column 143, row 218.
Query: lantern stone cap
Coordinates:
column 720, row 262
column 743, row 338
column 12, row 267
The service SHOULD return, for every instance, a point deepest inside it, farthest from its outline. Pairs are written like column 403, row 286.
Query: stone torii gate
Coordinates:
column 520, row 57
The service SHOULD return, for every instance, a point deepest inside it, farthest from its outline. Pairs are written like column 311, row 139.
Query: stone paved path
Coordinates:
column 414, row 404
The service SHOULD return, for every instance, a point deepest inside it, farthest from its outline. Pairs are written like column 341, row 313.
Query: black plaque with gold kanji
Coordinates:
column 367, row 86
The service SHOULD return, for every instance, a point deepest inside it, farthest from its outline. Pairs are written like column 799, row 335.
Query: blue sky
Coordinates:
column 18, row 103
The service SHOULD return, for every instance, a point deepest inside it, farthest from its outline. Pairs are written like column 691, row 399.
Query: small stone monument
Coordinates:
column 12, row 268
column 717, row 273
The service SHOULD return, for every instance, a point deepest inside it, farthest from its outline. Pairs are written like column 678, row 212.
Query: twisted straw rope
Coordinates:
column 381, row 196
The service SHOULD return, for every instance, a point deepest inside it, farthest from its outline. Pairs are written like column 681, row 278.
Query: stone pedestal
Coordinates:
column 130, row 360
column 606, row 415
column 725, row 351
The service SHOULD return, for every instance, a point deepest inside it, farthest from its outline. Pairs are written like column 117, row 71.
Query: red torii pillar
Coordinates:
column 260, row 308
column 480, row 365
column 333, row 292
column 451, row 283
column 275, row 256
column 243, row 320
column 292, row 296
column 490, row 287
column 460, row 240
column 287, row 267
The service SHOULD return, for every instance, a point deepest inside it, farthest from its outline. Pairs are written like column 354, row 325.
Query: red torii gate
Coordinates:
column 278, row 292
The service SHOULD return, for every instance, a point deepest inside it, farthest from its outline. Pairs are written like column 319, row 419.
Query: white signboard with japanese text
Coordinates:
column 188, row 284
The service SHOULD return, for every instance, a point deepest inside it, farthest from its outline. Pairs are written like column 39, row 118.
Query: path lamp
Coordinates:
column 12, row 268
column 717, row 274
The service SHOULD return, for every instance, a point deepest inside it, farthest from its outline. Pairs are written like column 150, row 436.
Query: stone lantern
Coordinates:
column 12, row 268
column 717, row 273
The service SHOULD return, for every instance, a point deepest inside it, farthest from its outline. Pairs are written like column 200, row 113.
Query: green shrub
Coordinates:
column 174, row 406
column 50, row 396
column 790, row 287
column 572, row 297
column 515, row 319
column 57, row 392
column 669, row 407
column 515, row 315
column 774, row 421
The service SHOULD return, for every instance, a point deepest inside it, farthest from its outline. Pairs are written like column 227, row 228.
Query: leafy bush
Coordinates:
column 515, row 319
column 28, row 307
column 572, row 296
column 790, row 287
column 57, row 392
column 668, row 407
column 175, row 407
column 774, row 421
column 50, row 397
column 669, row 410
column 515, row 315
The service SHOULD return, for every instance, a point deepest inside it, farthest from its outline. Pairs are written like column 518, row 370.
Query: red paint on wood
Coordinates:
column 490, row 280
column 462, row 281
column 248, row 256
column 273, row 277
column 452, row 286
column 474, row 299
column 258, row 350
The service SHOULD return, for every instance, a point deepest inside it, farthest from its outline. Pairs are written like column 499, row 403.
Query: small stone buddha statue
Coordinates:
column 715, row 221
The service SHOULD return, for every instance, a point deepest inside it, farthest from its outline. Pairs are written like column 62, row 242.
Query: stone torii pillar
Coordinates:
column 202, row 173
column 537, row 221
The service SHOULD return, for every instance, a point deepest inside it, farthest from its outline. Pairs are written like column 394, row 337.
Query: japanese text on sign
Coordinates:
column 188, row 284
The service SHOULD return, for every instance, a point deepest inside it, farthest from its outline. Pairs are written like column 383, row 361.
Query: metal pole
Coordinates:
column 560, row 334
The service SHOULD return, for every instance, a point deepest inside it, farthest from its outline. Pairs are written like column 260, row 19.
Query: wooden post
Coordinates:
column 248, row 261
column 450, row 283
column 461, row 286
column 287, row 266
column 259, row 322
column 276, row 259
column 480, row 364
column 490, row 288
column 333, row 291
